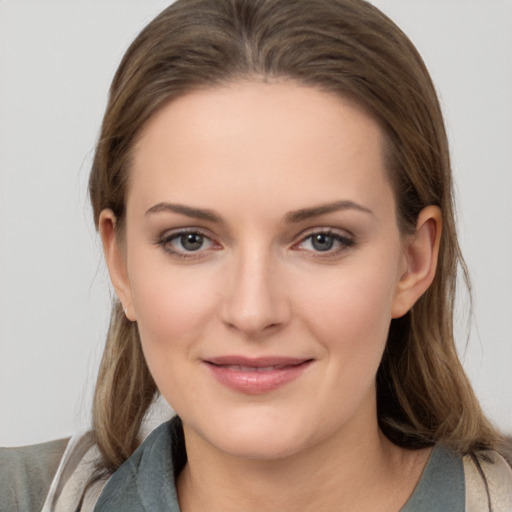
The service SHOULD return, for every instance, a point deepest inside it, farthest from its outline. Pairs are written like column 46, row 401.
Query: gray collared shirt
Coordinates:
column 146, row 481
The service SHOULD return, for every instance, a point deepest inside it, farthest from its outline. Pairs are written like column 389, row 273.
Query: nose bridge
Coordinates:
column 253, row 301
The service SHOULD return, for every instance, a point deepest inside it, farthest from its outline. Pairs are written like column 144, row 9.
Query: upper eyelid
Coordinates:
column 174, row 233
column 342, row 233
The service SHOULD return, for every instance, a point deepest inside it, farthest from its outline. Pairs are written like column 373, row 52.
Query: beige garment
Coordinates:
column 78, row 463
column 498, row 476
column 75, row 469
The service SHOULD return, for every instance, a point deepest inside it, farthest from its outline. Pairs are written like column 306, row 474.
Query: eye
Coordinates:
column 186, row 244
column 191, row 241
column 325, row 242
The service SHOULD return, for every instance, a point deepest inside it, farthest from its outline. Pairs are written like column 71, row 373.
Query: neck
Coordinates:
column 351, row 470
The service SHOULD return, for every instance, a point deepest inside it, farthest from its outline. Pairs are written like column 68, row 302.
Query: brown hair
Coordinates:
column 347, row 47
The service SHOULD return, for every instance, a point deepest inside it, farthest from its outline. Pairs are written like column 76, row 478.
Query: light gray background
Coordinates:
column 56, row 62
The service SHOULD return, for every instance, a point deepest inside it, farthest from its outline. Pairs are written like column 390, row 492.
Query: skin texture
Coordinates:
column 250, row 154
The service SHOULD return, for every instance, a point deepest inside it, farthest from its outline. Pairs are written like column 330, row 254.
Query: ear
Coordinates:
column 116, row 260
column 421, row 252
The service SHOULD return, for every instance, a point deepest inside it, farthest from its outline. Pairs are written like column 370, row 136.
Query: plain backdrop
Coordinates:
column 57, row 59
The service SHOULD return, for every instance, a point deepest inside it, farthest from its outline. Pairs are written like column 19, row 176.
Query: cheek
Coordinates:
column 173, row 309
column 172, row 305
column 349, row 315
column 350, row 303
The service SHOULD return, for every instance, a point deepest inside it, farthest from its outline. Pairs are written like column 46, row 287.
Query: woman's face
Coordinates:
column 263, row 264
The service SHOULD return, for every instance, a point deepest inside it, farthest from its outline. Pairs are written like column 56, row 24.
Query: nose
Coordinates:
column 254, row 300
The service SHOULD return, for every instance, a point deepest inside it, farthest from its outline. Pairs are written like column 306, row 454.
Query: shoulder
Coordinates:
column 26, row 474
column 50, row 477
column 488, row 482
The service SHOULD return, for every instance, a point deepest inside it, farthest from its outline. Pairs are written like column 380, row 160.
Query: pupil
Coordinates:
column 323, row 242
column 191, row 242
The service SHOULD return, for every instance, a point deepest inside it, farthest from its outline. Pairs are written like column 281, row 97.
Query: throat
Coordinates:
column 333, row 483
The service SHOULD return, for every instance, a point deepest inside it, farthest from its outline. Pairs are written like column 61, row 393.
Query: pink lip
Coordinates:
column 255, row 376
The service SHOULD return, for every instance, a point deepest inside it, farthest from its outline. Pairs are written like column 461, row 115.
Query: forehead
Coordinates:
column 273, row 141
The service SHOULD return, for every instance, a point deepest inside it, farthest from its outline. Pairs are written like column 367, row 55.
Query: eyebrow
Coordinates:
column 195, row 213
column 323, row 209
column 290, row 218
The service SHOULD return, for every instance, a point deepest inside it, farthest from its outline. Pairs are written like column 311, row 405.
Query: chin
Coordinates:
column 262, row 447
column 258, row 435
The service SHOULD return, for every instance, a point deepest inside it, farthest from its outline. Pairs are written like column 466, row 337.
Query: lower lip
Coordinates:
column 257, row 382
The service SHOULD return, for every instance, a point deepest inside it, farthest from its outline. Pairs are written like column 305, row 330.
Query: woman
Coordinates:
column 272, row 188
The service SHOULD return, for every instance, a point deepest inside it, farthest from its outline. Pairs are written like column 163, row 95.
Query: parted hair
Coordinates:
column 351, row 49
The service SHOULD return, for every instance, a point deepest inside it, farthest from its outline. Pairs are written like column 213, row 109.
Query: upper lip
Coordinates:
column 256, row 362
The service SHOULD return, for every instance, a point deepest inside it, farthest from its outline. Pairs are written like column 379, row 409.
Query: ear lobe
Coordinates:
column 115, row 259
column 421, row 253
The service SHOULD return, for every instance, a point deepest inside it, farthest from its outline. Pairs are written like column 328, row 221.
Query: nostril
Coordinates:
column 253, row 328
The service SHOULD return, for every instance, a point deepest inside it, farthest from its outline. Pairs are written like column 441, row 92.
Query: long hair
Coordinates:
column 346, row 47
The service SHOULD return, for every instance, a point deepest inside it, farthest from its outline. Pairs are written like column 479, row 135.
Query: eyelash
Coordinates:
column 345, row 242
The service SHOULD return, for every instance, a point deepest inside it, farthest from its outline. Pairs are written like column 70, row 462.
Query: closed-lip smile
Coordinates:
column 259, row 375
